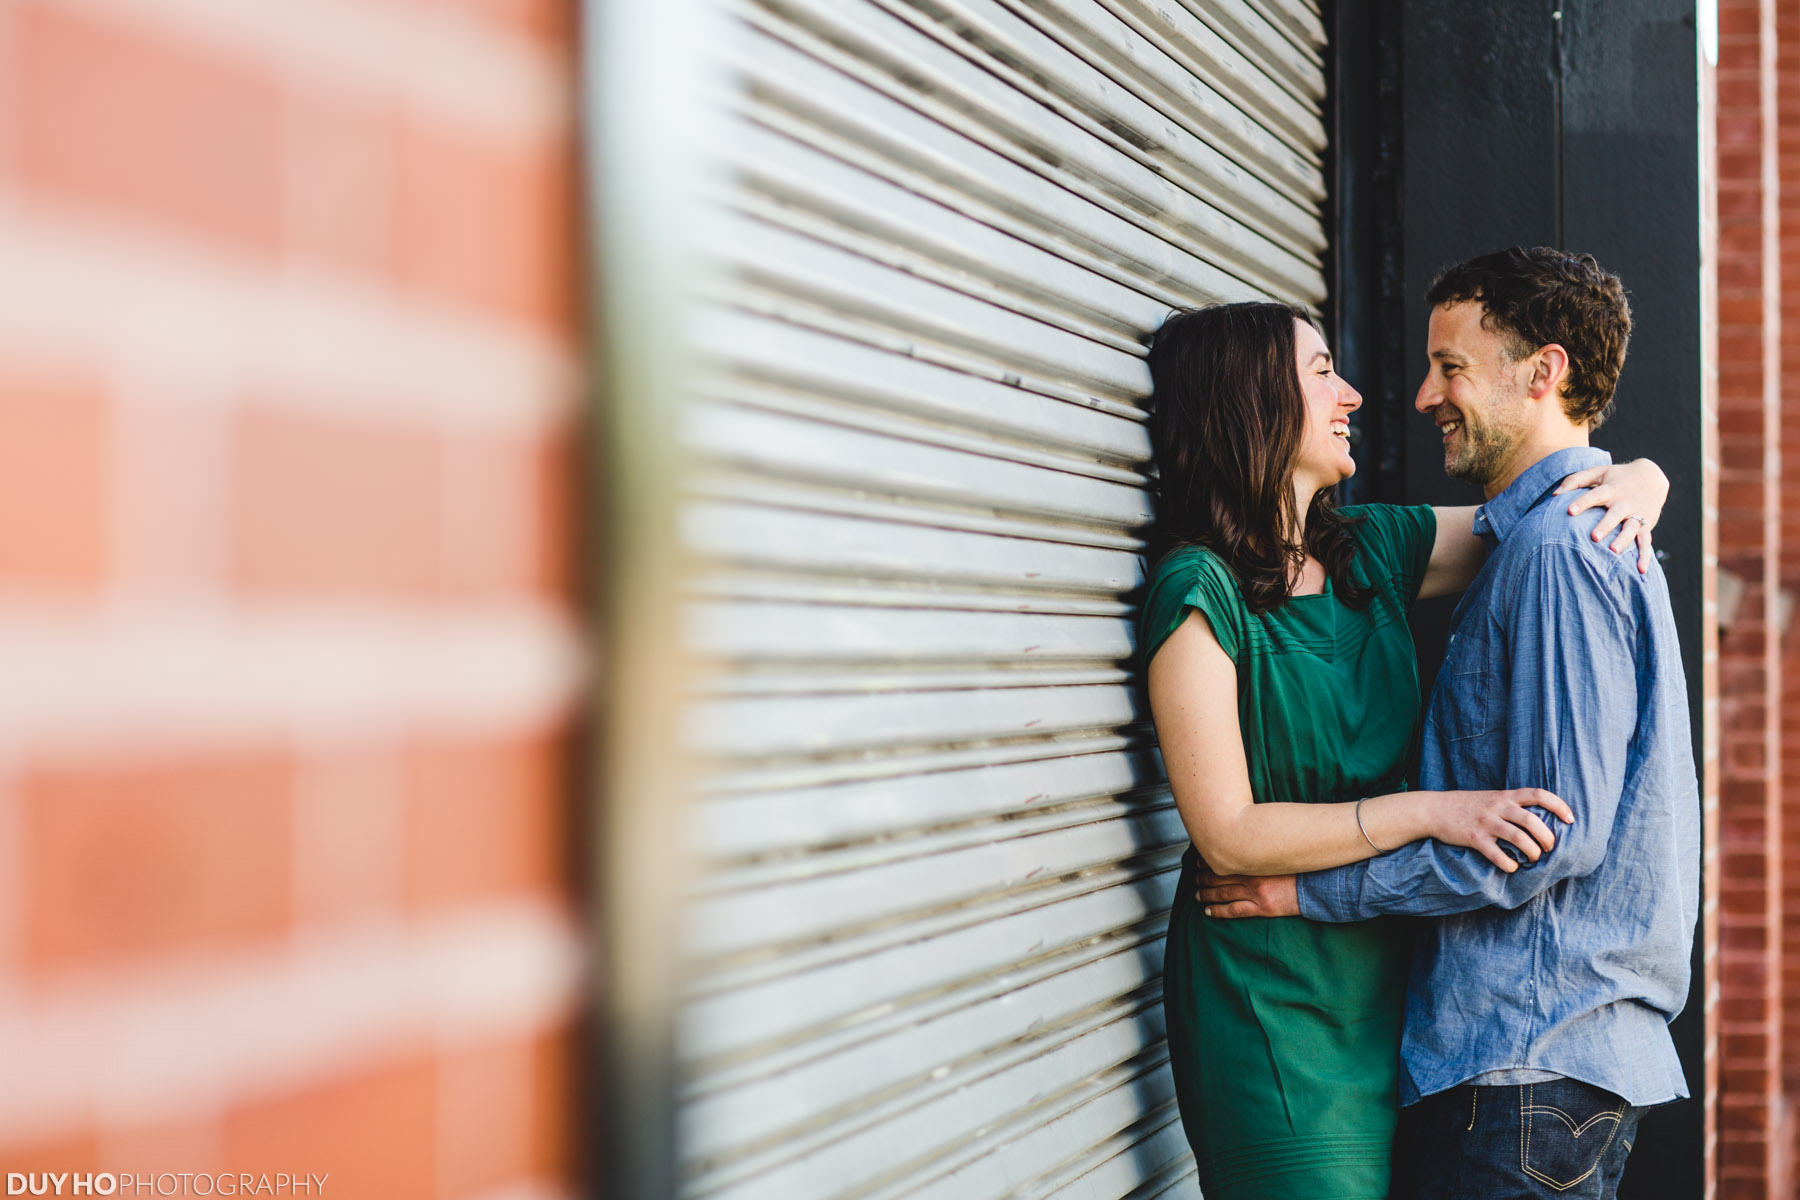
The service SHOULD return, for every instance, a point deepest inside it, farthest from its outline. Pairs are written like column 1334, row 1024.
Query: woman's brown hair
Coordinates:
column 1226, row 424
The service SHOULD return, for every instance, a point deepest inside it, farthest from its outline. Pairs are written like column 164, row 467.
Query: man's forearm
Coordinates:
column 1430, row 879
column 1569, row 714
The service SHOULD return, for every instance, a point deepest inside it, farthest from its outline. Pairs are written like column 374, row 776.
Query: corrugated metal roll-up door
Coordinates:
column 935, row 850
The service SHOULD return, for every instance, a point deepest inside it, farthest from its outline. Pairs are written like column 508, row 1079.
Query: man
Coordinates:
column 1539, row 1000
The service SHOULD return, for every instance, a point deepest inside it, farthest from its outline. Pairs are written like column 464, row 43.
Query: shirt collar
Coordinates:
column 1499, row 515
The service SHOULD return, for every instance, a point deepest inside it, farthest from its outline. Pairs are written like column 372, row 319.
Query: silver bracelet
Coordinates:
column 1365, row 832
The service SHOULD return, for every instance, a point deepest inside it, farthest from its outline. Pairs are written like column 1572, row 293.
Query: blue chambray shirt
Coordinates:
column 1563, row 672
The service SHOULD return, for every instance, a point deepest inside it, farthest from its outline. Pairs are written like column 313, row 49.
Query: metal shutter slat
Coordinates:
column 878, row 1067
column 821, row 364
column 1109, row 1108
column 1184, row 31
column 863, row 124
column 821, row 274
column 906, row 427
column 816, row 1007
column 915, row 233
column 800, row 495
column 765, row 823
column 962, row 94
column 936, row 850
column 904, row 1135
column 807, row 907
column 1191, row 131
column 1298, row 21
column 838, row 724
column 778, row 444
column 799, row 633
column 1157, row 1138
column 1196, row 78
column 786, row 540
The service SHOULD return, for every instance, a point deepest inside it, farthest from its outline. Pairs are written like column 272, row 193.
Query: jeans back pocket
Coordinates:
column 1566, row 1128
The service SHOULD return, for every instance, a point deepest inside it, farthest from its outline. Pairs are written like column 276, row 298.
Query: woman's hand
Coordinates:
column 1632, row 494
column 1486, row 821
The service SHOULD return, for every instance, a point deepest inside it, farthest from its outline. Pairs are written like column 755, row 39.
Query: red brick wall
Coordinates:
column 1788, row 107
column 1707, row 986
column 1751, row 1159
column 288, row 372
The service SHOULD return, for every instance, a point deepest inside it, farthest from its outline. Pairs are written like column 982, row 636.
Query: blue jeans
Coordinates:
column 1532, row 1141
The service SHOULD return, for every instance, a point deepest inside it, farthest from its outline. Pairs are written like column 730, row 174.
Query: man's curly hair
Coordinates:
column 1540, row 295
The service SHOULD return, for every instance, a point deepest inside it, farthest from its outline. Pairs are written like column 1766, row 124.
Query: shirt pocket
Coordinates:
column 1471, row 709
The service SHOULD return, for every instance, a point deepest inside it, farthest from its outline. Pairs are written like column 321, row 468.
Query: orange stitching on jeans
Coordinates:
column 1569, row 1120
column 1472, row 1094
column 1525, row 1107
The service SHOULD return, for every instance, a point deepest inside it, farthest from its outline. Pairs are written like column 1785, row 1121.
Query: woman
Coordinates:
column 1285, row 694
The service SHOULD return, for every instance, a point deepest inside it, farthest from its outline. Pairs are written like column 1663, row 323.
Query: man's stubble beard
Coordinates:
column 1483, row 450
column 1480, row 456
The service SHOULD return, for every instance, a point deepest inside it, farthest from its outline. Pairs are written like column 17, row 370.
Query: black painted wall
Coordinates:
column 1464, row 126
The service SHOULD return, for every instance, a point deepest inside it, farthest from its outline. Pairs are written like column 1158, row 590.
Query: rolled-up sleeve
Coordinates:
column 1573, row 659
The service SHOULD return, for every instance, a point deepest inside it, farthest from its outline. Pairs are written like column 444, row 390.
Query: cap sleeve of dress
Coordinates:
column 1190, row 577
column 1396, row 541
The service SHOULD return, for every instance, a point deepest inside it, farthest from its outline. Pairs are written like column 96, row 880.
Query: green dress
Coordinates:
column 1284, row 1034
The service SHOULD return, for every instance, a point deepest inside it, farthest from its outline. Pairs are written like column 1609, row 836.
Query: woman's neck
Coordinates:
column 1308, row 577
column 1303, row 495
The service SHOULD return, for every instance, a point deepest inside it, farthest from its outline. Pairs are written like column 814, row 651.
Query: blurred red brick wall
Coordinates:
column 1788, row 109
column 1751, row 1161
column 289, row 365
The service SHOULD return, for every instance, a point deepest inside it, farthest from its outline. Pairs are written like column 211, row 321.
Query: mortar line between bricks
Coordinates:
column 83, row 289
column 232, row 1027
